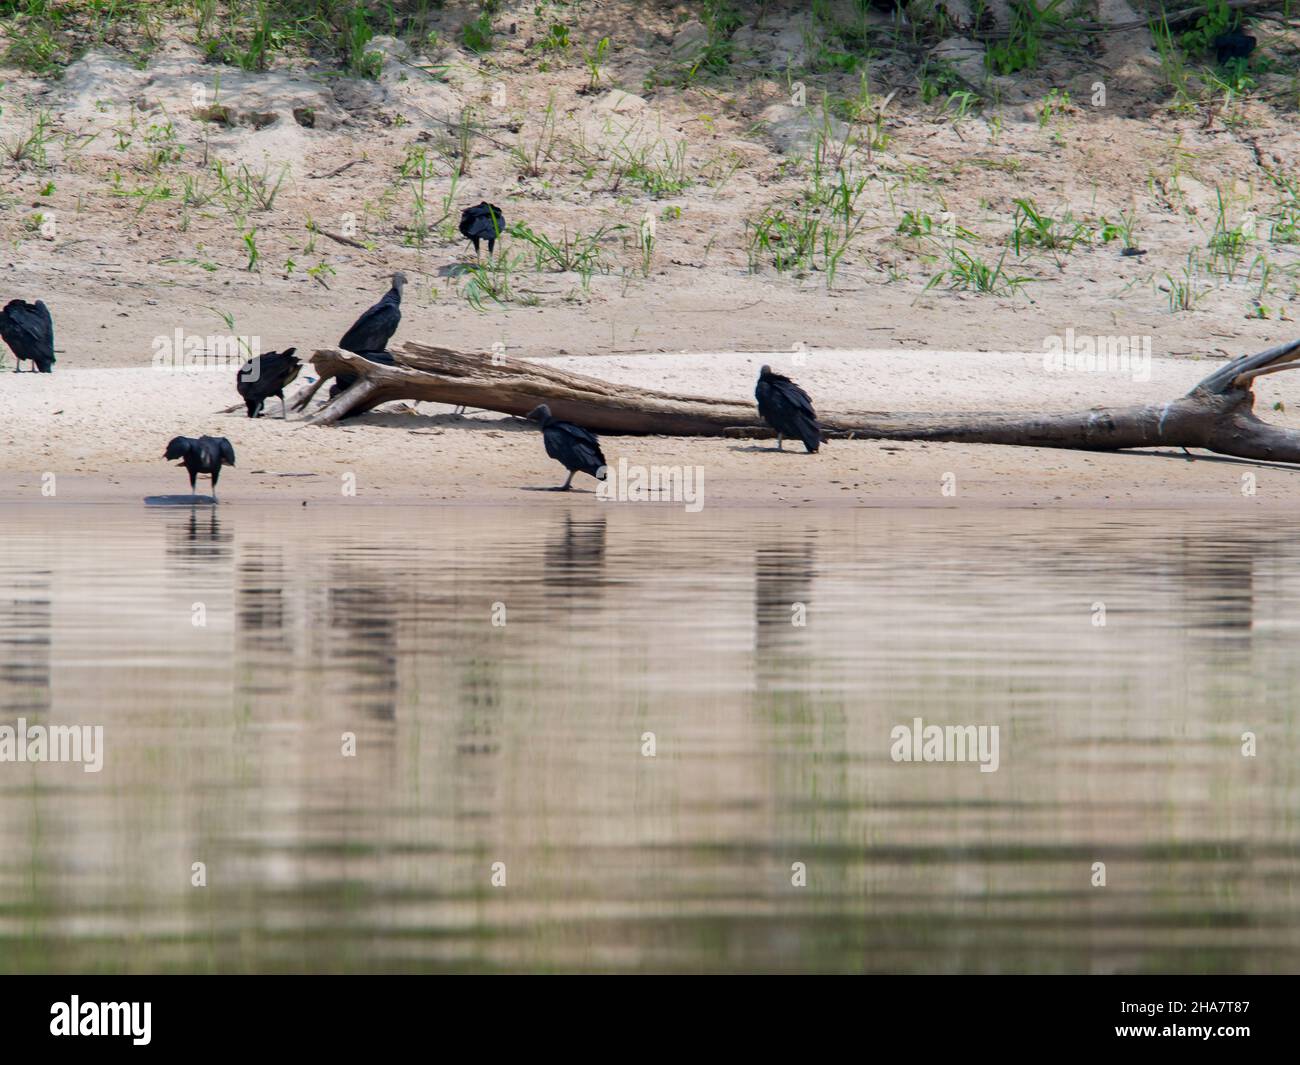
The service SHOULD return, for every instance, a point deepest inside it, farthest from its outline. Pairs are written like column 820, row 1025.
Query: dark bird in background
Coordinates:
column 206, row 455
column 372, row 331
column 572, row 446
column 482, row 222
column 1233, row 45
column 28, row 329
column 787, row 409
column 264, row 376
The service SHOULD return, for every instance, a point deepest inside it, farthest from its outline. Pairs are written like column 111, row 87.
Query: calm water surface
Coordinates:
column 521, row 743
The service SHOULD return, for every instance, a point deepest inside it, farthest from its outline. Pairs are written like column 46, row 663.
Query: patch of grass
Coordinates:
column 250, row 189
column 1123, row 230
column 939, row 81
column 815, row 230
column 1217, row 19
column 1055, row 103
column 1229, row 241
column 1173, row 65
column 556, row 39
column 456, row 145
column 477, row 35
column 594, row 58
column 788, row 240
column 32, row 43
column 660, row 169
column 417, row 168
column 968, row 272
column 163, row 146
column 579, row 253
column 1021, row 50
column 1284, row 226
column 529, row 154
column 29, row 145
column 721, row 19
column 249, row 238
column 918, row 225
column 491, row 281
column 1184, row 290
column 361, row 61
column 1033, row 228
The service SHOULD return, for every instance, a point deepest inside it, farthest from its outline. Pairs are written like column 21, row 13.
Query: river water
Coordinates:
column 620, row 737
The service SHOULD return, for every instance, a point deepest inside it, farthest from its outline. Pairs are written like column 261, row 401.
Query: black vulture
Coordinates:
column 570, row 445
column 207, row 455
column 1233, row 45
column 482, row 222
column 264, row 376
column 787, row 409
column 28, row 329
column 372, row 331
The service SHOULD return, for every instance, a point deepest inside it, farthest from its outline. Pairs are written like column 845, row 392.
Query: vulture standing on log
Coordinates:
column 264, row 376
column 787, row 409
column 482, row 222
column 28, row 329
column 372, row 331
column 207, row 455
column 572, row 446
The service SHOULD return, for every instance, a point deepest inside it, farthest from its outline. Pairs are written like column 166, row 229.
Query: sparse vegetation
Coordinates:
column 1034, row 228
column 852, row 162
column 579, row 253
column 964, row 270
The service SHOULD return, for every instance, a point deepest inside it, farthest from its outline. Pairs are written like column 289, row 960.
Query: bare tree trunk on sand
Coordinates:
column 1216, row 415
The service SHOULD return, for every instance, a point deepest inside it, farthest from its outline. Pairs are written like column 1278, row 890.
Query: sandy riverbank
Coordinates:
column 102, row 433
column 159, row 191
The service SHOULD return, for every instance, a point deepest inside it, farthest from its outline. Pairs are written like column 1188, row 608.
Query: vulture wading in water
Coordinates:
column 206, row 455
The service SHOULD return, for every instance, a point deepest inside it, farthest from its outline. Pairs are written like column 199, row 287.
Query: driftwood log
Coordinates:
column 1216, row 415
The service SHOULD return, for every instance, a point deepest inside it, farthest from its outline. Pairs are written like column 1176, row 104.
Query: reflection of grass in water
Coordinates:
column 773, row 745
